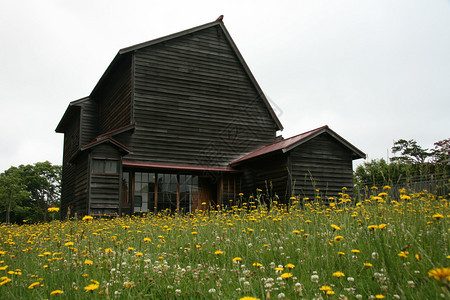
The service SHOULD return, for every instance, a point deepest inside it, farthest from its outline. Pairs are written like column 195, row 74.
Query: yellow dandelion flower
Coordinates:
column 368, row 265
column 91, row 287
column 438, row 216
column 338, row 274
column 31, row 286
column 5, row 280
column 56, row 292
column 335, row 227
column 237, row 259
column 355, row 251
column 257, row 265
column 440, row 273
column 147, row 240
column 248, row 298
column 286, row 275
column 218, row 252
column 87, row 218
column 379, row 296
column 290, row 266
column 341, row 253
column 403, row 254
column 88, row 262
column 338, row 238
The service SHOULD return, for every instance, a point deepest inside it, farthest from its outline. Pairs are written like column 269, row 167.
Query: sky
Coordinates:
column 373, row 71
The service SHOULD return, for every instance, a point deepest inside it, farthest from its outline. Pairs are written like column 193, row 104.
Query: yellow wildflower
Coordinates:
column 440, row 273
column 56, row 292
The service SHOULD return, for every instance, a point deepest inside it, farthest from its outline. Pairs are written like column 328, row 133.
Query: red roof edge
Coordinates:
column 279, row 145
column 106, row 139
column 117, row 130
column 292, row 142
column 179, row 167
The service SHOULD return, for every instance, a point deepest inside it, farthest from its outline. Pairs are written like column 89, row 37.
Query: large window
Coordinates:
column 144, row 192
column 157, row 192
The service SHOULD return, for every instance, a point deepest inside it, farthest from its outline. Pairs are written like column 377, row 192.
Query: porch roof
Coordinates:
column 179, row 167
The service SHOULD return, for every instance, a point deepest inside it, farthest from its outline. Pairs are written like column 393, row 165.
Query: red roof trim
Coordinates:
column 292, row 142
column 280, row 145
column 179, row 167
column 103, row 140
column 118, row 130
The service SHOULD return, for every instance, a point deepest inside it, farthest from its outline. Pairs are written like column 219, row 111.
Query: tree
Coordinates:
column 30, row 189
column 441, row 152
column 410, row 152
column 13, row 195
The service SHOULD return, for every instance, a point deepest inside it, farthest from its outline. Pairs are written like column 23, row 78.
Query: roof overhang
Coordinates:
column 288, row 144
column 176, row 168
column 73, row 109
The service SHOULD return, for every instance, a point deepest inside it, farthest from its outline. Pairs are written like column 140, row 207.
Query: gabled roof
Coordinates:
column 288, row 144
column 106, row 139
column 126, row 51
column 71, row 110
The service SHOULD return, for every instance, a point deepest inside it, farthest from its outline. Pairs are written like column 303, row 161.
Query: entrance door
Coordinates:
column 207, row 193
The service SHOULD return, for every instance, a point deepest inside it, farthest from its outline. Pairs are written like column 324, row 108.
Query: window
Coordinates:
column 105, row 166
column 157, row 192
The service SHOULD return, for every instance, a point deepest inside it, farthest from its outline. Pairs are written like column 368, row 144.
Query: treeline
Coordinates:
column 409, row 164
column 28, row 191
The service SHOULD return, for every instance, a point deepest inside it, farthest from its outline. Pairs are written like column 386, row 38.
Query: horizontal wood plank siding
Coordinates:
column 270, row 174
column 194, row 104
column 105, row 191
column 105, row 188
column 89, row 125
column 114, row 97
column 324, row 164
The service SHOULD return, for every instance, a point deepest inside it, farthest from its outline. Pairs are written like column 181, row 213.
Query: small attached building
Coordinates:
column 315, row 162
column 180, row 121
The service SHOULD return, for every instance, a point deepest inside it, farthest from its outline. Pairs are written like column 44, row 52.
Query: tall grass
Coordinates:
column 380, row 247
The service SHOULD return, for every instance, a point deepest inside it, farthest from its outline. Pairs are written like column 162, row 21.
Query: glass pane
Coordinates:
column 111, row 166
column 98, row 165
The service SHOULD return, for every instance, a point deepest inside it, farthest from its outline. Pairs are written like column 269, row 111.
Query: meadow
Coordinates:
column 335, row 248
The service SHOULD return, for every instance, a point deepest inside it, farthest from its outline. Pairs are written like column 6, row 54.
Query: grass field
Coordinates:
column 378, row 248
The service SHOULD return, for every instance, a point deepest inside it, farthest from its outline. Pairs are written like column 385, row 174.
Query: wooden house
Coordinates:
column 180, row 123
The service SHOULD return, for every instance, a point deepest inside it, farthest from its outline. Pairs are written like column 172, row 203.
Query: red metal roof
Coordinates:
column 292, row 142
column 178, row 167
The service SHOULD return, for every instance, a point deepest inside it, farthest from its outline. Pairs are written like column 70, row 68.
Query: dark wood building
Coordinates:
column 180, row 123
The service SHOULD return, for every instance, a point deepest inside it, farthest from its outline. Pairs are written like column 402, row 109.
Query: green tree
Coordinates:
column 28, row 191
column 410, row 152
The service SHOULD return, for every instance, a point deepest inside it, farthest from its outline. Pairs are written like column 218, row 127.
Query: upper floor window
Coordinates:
column 105, row 166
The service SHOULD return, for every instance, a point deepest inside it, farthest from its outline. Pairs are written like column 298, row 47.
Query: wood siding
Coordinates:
column 113, row 97
column 89, row 126
column 194, row 104
column 321, row 163
column 270, row 174
column 105, row 189
column 71, row 146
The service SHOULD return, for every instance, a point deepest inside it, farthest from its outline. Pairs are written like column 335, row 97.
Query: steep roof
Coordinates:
column 288, row 144
column 72, row 110
column 123, row 53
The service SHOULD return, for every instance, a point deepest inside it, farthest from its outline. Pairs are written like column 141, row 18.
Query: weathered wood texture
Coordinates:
column 270, row 174
column 74, row 187
column 321, row 163
column 89, row 119
column 194, row 104
column 71, row 144
column 113, row 97
column 105, row 189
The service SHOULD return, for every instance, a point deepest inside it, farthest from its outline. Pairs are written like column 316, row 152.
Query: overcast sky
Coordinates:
column 374, row 71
